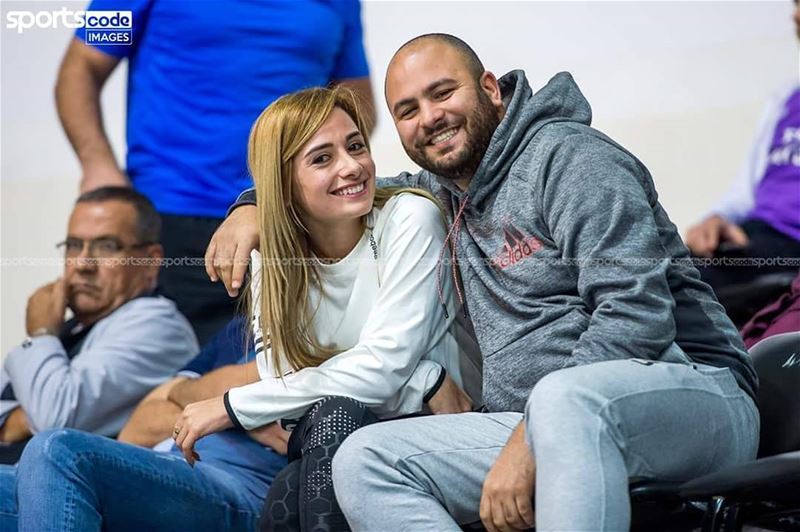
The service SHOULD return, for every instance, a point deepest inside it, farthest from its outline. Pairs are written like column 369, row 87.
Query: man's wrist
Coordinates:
column 247, row 197
column 175, row 394
column 43, row 331
column 38, row 332
column 517, row 447
column 98, row 156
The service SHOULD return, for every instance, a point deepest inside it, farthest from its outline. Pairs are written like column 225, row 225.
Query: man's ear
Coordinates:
column 488, row 82
column 156, row 253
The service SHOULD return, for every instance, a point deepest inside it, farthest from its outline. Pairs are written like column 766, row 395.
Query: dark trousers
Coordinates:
column 301, row 497
column 10, row 452
column 183, row 278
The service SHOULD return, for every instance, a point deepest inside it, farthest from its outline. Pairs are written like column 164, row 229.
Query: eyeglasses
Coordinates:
column 99, row 247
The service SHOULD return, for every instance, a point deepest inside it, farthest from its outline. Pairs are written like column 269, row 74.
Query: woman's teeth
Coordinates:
column 350, row 191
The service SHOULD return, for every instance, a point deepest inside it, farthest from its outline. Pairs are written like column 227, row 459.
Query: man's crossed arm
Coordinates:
column 155, row 416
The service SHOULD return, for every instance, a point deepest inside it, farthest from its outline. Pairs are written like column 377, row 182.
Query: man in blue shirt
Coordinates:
column 199, row 73
column 92, row 482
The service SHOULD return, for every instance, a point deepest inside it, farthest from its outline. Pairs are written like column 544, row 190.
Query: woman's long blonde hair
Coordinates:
column 277, row 136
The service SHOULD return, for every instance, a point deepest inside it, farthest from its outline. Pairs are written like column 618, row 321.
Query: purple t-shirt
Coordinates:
column 777, row 200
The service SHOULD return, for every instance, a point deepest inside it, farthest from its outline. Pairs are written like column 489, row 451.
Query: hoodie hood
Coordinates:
column 526, row 113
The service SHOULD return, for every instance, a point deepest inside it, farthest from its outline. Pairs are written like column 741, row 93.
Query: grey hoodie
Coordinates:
column 566, row 256
column 564, row 253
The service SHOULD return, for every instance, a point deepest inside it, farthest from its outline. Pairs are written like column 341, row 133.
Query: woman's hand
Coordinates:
column 198, row 420
column 273, row 436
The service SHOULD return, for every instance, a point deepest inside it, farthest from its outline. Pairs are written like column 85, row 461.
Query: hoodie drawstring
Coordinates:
column 452, row 238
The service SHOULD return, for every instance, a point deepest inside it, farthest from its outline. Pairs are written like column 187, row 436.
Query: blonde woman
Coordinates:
column 347, row 293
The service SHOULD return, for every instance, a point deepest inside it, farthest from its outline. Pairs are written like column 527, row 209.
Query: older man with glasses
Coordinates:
column 123, row 339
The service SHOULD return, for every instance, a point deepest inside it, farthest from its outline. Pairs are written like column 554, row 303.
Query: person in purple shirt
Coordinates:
column 759, row 217
column 199, row 73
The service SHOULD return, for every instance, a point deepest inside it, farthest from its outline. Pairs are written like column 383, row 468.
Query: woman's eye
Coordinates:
column 321, row 159
column 357, row 146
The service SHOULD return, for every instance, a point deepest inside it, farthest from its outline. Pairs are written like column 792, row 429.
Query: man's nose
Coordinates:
column 84, row 261
column 432, row 115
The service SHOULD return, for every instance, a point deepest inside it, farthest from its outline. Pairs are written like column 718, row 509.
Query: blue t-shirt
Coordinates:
column 200, row 73
column 223, row 349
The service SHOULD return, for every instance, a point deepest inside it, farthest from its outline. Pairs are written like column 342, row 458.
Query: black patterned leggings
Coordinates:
column 301, row 497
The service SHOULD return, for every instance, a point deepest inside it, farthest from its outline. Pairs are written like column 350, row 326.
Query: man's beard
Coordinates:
column 481, row 124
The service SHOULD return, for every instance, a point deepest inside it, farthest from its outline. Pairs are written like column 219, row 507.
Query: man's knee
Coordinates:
column 52, row 445
column 52, row 452
column 560, row 398
column 555, row 391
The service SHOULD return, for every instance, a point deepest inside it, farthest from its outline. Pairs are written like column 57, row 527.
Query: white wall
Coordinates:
column 679, row 83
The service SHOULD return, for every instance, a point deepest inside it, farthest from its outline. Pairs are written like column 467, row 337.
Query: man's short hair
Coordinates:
column 148, row 221
column 471, row 60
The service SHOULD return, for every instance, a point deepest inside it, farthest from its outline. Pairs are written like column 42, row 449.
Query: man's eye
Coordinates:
column 74, row 245
column 441, row 95
column 107, row 246
column 407, row 113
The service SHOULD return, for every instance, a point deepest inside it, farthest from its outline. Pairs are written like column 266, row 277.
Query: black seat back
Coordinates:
column 777, row 362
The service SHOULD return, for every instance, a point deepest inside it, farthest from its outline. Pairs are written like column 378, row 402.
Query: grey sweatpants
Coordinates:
column 590, row 428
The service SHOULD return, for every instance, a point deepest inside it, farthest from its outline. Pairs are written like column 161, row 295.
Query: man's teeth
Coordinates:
column 444, row 136
column 349, row 191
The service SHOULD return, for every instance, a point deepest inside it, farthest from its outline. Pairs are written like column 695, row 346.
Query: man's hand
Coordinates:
column 102, row 174
column 450, row 399
column 228, row 253
column 507, row 497
column 704, row 238
column 15, row 428
column 46, row 308
column 199, row 420
column 273, row 436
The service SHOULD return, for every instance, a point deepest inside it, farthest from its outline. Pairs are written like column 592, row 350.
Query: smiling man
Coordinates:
column 122, row 340
column 602, row 348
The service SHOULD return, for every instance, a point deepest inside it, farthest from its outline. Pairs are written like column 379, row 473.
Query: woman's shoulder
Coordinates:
column 409, row 207
column 408, row 214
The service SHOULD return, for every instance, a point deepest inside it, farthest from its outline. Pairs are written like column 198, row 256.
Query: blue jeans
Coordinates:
column 72, row 480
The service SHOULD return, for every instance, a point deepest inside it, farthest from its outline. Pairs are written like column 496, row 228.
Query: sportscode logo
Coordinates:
column 102, row 27
column 109, row 27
